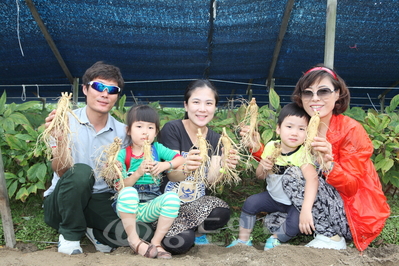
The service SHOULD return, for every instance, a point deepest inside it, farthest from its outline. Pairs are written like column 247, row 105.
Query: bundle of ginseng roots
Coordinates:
column 311, row 133
column 227, row 173
column 200, row 173
column 59, row 131
column 108, row 166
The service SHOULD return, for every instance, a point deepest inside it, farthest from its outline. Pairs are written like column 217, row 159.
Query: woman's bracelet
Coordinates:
column 326, row 172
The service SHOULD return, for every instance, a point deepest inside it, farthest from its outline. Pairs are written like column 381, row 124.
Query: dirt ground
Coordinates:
column 27, row 254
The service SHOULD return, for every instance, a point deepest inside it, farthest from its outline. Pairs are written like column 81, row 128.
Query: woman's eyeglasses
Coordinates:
column 98, row 86
column 322, row 93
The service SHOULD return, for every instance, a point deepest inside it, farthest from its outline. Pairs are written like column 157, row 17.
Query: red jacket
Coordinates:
column 356, row 179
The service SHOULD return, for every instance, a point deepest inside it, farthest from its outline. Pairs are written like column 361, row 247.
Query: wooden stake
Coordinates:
column 5, row 210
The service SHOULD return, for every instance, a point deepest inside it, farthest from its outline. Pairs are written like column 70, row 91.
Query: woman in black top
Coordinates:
column 198, row 211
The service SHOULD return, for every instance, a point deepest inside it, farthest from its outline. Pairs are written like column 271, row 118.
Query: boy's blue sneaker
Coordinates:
column 271, row 242
column 241, row 242
column 201, row 240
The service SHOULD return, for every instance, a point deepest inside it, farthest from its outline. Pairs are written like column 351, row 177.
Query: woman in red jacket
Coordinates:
column 346, row 149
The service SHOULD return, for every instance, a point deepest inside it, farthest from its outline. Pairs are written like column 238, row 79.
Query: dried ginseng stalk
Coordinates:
column 59, row 131
column 311, row 133
column 109, row 169
column 227, row 174
column 250, row 119
column 147, row 156
column 203, row 146
column 275, row 154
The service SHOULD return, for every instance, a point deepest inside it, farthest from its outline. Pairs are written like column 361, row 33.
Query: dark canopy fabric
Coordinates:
column 160, row 45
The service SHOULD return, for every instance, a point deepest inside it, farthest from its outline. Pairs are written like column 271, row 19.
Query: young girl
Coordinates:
column 140, row 197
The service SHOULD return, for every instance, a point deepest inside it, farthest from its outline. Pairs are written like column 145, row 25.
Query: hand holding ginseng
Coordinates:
column 254, row 143
column 324, row 147
column 50, row 118
column 145, row 167
column 264, row 168
column 57, row 127
column 232, row 158
column 56, row 133
column 193, row 160
column 159, row 167
column 115, row 175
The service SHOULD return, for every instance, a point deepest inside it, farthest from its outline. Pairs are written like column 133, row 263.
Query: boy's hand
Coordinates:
column 306, row 225
column 267, row 163
column 264, row 168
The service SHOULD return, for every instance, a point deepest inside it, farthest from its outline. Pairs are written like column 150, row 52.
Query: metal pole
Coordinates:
column 75, row 93
column 279, row 42
column 330, row 33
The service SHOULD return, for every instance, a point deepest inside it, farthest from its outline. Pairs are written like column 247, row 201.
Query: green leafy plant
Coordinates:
column 20, row 126
column 119, row 111
column 26, row 171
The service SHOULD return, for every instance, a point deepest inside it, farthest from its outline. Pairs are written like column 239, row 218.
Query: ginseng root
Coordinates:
column 109, row 170
column 251, row 120
column 227, row 175
column 275, row 154
column 59, row 131
column 203, row 146
column 147, row 150
column 311, row 133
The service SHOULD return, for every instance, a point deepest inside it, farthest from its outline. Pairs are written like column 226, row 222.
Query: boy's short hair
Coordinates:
column 292, row 109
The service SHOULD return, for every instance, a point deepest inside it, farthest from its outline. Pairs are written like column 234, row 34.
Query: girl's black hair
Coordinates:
column 199, row 83
column 291, row 109
column 143, row 113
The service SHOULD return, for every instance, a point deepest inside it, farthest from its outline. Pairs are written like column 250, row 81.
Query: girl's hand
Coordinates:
column 324, row 147
column 145, row 167
column 159, row 167
column 306, row 225
column 193, row 160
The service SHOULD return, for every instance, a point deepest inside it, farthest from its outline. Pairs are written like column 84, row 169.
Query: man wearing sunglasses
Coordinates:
column 79, row 202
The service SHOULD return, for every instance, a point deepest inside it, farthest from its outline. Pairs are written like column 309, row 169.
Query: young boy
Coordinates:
column 291, row 126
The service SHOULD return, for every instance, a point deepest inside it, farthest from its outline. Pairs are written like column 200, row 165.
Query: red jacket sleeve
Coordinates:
column 257, row 155
column 352, row 149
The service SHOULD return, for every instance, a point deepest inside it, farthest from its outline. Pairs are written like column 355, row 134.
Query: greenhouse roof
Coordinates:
column 161, row 45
